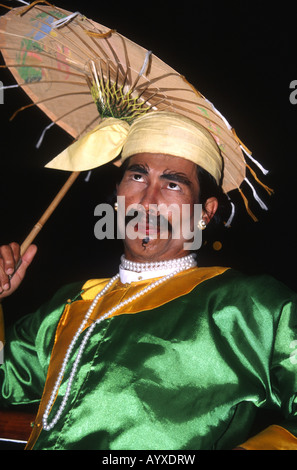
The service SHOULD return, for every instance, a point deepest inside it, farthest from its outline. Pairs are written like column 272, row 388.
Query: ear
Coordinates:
column 210, row 208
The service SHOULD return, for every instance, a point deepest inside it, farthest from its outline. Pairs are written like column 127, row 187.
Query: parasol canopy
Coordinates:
column 80, row 73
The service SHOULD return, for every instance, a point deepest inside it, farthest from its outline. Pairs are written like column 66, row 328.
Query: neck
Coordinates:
column 132, row 271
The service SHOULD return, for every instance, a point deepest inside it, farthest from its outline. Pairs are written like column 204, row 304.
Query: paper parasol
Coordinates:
column 79, row 73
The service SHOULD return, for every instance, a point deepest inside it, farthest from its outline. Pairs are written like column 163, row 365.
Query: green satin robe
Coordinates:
column 187, row 375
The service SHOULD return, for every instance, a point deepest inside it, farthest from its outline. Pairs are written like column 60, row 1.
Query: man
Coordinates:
column 165, row 355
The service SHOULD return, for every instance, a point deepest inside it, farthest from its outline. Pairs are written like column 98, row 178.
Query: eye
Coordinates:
column 137, row 177
column 173, row 186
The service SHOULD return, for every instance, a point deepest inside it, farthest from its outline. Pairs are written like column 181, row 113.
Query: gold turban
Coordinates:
column 176, row 135
column 156, row 132
column 160, row 132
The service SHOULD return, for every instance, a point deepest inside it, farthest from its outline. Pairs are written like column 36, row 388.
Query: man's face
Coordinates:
column 151, row 181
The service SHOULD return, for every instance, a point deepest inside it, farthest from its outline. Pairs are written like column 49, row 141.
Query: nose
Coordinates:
column 149, row 196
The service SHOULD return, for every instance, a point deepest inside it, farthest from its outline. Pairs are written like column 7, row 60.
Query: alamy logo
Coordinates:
column 293, row 94
column 157, row 222
column 1, row 93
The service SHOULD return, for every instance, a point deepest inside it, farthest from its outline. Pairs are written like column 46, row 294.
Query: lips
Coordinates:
column 147, row 229
column 149, row 225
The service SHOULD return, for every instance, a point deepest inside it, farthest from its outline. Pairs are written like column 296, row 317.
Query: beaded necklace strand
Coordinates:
column 178, row 265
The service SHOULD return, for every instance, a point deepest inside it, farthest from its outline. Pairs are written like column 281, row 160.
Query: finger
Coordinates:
column 16, row 249
column 27, row 259
column 7, row 263
column 29, row 255
column 11, row 283
column 10, row 256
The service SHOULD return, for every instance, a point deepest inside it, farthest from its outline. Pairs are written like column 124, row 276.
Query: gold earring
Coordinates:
column 201, row 224
column 116, row 206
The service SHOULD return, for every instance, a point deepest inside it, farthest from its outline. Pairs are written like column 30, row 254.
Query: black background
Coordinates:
column 241, row 55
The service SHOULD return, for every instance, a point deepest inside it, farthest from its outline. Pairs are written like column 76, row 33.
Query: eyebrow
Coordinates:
column 177, row 177
column 167, row 175
column 139, row 168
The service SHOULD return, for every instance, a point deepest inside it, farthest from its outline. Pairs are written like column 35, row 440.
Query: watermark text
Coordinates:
column 1, row 93
column 293, row 94
column 163, row 222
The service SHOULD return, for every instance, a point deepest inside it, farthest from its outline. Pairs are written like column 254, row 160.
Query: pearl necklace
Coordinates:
column 181, row 265
column 186, row 261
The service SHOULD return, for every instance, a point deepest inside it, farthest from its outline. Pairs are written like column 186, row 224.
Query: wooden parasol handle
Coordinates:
column 36, row 229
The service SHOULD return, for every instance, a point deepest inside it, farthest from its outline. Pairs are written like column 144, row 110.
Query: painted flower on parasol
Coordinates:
column 90, row 80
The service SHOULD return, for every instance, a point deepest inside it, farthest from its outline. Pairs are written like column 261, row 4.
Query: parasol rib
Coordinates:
column 45, row 100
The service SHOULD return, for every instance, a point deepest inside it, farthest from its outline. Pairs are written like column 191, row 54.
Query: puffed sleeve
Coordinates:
column 283, row 384
column 27, row 349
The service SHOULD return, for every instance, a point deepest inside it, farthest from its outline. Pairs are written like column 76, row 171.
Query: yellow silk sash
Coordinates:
column 272, row 438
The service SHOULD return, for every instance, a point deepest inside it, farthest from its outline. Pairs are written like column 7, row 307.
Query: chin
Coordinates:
column 154, row 250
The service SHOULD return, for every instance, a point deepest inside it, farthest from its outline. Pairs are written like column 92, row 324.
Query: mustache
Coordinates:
column 148, row 218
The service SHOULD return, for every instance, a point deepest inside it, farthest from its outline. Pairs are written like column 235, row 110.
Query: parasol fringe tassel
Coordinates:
column 20, row 110
column 269, row 190
column 43, row 134
column 241, row 144
column 247, row 206
column 12, row 8
column 31, row 5
column 257, row 198
column 63, row 21
column 219, row 114
column 264, row 171
column 6, row 6
column 7, row 87
column 145, row 63
column 231, row 217
column 100, row 35
column 197, row 93
column 144, row 70
column 87, row 178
